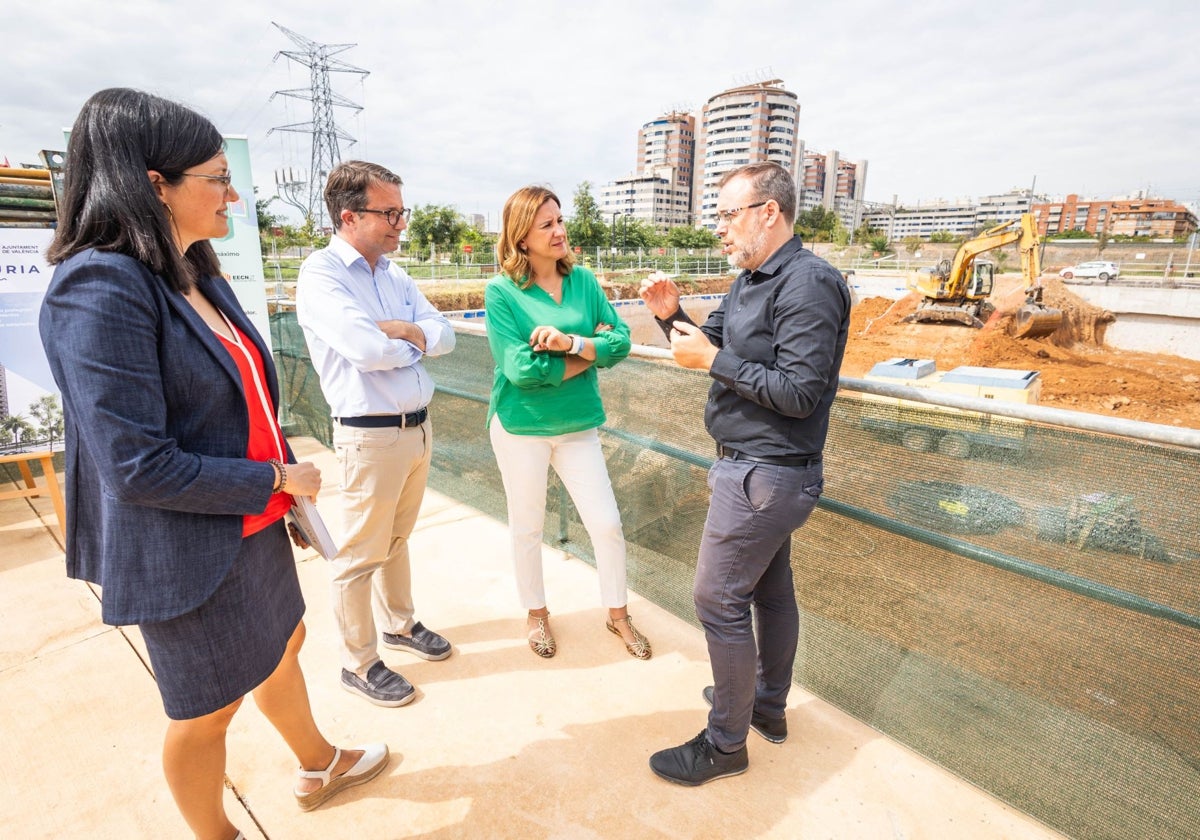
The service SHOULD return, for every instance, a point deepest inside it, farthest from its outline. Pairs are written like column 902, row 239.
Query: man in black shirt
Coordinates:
column 773, row 348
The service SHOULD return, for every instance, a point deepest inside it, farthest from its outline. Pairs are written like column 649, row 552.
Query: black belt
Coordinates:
column 384, row 421
column 776, row 460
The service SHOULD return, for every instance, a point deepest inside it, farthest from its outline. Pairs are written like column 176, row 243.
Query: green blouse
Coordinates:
column 528, row 390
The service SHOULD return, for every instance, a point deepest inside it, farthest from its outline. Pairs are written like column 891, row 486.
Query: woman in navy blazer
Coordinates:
column 168, row 395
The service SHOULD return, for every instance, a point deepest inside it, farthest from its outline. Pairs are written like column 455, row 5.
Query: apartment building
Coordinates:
column 747, row 124
column 660, row 190
column 1005, row 207
column 680, row 165
column 834, row 184
column 655, row 197
column 1149, row 217
column 957, row 218
column 961, row 217
column 669, row 141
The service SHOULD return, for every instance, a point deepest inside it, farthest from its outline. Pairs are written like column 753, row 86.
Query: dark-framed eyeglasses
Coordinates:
column 392, row 217
column 728, row 215
column 223, row 180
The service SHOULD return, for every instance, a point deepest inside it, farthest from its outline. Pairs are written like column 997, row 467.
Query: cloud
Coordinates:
column 470, row 100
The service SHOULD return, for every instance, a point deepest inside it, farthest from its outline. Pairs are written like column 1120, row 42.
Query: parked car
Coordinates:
column 1099, row 269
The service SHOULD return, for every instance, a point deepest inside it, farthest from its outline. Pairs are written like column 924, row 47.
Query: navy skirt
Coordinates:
column 222, row 650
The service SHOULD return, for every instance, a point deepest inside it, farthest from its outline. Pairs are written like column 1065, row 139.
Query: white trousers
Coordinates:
column 524, row 462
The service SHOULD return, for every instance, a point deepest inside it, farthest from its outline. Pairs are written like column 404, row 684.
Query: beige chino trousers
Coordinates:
column 383, row 482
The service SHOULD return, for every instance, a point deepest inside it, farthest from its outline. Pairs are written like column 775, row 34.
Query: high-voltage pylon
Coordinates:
column 304, row 192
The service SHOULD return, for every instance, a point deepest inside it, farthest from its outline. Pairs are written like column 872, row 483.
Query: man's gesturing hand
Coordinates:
column 660, row 294
column 691, row 347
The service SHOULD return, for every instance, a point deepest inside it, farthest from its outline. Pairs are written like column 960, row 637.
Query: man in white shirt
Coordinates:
column 368, row 327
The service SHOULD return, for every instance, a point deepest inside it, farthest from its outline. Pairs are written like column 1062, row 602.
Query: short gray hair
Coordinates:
column 770, row 182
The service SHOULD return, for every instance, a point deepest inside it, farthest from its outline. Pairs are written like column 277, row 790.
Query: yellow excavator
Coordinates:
column 957, row 290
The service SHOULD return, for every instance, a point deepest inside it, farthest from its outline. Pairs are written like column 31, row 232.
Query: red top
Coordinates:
column 266, row 438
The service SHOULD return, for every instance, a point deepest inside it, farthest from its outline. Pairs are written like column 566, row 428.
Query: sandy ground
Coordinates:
column 1078, row 371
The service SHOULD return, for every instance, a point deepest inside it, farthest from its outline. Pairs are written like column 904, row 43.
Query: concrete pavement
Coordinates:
column 498, row 744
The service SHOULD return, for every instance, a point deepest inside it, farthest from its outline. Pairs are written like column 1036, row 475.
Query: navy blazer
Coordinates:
column 157, row 479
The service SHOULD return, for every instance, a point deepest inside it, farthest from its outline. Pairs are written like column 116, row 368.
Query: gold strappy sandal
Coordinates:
column 640, row 649
column 540, row 640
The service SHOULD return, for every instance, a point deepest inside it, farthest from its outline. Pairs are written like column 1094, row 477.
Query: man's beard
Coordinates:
column 751, row 255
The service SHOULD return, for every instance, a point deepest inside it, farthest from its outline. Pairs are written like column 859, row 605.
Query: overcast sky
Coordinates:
column 469, row 100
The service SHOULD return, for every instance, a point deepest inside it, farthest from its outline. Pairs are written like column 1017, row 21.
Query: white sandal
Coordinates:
column 374, row 759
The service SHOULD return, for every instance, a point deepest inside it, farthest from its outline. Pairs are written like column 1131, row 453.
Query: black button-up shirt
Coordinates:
column 782, row 332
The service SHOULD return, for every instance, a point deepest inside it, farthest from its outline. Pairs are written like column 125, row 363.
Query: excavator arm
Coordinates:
column 964, row 258
column 948, row 296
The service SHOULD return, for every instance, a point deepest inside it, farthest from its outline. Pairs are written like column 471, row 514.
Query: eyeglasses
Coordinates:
column 727, row 215
column 392, row 217
column 223, row 180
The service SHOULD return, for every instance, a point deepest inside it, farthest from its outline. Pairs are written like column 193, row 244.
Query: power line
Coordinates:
column 301, row 190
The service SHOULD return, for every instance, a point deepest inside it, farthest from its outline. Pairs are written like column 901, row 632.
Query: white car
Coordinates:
column 1099, row 269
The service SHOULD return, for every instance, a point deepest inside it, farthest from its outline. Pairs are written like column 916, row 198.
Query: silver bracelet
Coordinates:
column 576, row 345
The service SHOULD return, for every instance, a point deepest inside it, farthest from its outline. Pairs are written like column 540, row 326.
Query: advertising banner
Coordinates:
column 240, row 251
column 24, row 274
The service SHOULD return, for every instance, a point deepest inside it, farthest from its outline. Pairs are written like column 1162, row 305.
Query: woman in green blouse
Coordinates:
column 550, row 326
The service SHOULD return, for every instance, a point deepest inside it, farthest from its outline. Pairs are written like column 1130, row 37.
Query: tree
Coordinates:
column 630, row 233
column 483, row 246
column 686, row 236
column 817, row 224
column 436, row 226
column 14, row 428
column 311, row 235
column 877, row 242
column 586, row 229
column 48, row 414
column 266, row 219
column 863, row 232
column 839, row 233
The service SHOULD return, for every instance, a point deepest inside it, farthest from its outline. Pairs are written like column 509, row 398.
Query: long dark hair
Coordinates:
column 109, row 202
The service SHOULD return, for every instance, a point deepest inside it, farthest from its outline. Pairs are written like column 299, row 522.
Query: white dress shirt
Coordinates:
column 339, row 299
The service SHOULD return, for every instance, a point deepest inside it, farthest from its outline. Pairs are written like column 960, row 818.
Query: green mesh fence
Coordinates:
column 1023, row 609
column 303, row 411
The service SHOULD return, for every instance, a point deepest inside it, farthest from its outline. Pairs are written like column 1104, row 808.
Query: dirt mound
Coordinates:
column 1082, row 322
column 878, row 313
column 1078, row 371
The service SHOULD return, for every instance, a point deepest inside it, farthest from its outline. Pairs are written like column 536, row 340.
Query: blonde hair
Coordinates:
column 517, row 220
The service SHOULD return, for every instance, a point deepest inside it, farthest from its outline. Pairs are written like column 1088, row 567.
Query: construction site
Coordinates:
column 995, row 587
column 1079, row 370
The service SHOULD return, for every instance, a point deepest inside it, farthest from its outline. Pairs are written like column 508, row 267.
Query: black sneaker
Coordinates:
column 773, row 729
column 383, row 686
column 423, row 643
column 698, row 761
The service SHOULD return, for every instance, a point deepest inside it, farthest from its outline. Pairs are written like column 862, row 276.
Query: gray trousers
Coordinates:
column 745, row 560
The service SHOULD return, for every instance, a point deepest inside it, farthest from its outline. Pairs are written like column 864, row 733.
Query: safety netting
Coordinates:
column 1018, row 601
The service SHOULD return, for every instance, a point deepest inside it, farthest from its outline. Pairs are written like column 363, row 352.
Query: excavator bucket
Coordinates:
column 1034, row 320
